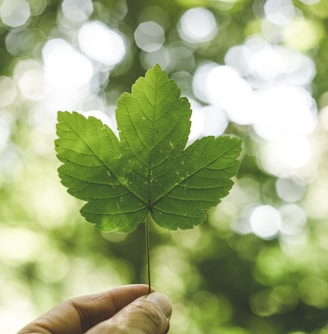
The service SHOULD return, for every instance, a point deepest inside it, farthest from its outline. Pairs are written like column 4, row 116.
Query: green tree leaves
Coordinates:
column 148, row 170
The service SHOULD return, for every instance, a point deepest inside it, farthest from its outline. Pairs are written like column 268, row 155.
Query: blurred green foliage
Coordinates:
column 223, row 276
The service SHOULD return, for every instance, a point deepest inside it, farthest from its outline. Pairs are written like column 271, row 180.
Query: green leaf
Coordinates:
column 148, row 170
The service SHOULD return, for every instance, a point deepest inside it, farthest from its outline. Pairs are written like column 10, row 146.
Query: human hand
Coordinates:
column 123, row 310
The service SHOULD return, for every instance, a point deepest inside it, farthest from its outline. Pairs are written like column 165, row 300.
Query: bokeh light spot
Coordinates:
column 197, row 25
column 46, row 269
column 101, row 44
column 160, row 57
column 15, row 13
column 26, row 247
column 6, row 121
column 293, row 219
column 290, row 189
column 219, row 84
column 286, row 65
column 285, row 110
column 77, row 10
column 64, row 67
column 279, row 12
column 30, row 79
column 281, row 157
column 296, row 151
column 149, row 36
column 8, row 91
column 11, row 162
column 265, row 221
column 263, row 303
column 207, row 121
column 314, row 291
column 303, row 35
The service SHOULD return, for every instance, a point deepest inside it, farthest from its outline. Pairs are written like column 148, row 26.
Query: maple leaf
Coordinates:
column 148, row 170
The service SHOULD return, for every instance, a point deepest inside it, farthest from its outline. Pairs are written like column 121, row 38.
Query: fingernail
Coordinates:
column 162, row 301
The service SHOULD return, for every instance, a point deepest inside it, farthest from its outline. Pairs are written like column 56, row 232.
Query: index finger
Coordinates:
column 77, row 315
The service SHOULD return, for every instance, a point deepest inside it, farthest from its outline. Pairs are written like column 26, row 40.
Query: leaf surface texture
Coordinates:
column 148, row 169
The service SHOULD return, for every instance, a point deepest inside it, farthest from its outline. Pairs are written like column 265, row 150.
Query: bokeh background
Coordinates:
column 253, row 68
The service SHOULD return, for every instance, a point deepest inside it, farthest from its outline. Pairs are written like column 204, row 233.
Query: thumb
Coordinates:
column 145, row 315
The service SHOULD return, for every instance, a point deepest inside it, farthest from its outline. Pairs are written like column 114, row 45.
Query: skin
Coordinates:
column 122, row 310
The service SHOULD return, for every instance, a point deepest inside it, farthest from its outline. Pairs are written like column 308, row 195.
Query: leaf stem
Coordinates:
column 147, row 227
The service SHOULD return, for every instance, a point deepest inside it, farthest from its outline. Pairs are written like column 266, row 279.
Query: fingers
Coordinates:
column 77, row 315
column 145, row 315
